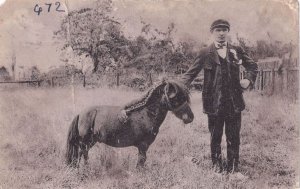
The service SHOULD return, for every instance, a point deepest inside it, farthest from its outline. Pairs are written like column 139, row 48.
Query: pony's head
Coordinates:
column 177, row 99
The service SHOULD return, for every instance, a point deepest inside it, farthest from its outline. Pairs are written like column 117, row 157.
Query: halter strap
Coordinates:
column 179, row 107
column 171, row 108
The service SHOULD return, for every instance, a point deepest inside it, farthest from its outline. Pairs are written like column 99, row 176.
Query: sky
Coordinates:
column 30, row 37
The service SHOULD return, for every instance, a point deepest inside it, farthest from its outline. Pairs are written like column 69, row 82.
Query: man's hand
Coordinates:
column 245, row 83
column 123, row 116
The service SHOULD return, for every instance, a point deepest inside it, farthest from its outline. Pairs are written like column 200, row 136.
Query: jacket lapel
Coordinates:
column 213, row 54
column 229, row 46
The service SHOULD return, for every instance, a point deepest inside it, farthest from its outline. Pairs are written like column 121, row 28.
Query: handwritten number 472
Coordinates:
column 38, row 9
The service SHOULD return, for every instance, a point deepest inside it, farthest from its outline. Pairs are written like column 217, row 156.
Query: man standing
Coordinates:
column 222, row 91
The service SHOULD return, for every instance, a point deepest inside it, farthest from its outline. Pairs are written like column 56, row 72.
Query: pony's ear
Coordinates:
column 171, row 90
column 163, row 79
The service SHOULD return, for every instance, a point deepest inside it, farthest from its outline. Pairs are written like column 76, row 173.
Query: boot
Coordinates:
column 217, row 163
column 232, row 160
column 232, row 166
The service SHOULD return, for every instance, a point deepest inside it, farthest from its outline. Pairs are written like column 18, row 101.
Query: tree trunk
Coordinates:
column 96, row 64
column 84, row 82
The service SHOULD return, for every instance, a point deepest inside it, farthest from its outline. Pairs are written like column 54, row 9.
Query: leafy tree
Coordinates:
column 185, row 53
column 93, row 32
column 263, row 48
column 4, row 74
column 153, row 49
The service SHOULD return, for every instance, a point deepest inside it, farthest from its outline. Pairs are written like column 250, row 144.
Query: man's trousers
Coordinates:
column 232, row 131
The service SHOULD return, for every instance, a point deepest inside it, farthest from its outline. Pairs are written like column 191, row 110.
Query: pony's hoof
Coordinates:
column 141, row 167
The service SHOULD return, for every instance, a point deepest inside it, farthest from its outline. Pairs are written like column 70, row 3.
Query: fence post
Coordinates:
column 256, row 86
column 259, row 83
column 118, row 79
column 272, row 81
column 285, row 79
column 261, row 80
column 83, row 80
column 52, row 81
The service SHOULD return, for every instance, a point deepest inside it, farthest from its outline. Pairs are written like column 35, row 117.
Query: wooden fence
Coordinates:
column 38, row 82
column 274, row 77
column 278, row 78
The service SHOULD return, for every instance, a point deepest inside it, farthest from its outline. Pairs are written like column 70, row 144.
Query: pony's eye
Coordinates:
column 175, row 103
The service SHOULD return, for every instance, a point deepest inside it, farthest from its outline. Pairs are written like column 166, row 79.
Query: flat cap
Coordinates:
column 220, row 23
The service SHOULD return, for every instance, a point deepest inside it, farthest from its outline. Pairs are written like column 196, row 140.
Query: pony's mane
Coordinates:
column 139, row 103
column 143, row 101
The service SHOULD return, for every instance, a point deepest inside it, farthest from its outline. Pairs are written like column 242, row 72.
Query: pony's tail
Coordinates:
column 73, row 143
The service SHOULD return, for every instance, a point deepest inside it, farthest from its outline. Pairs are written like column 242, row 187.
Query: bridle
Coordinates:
column 170, row 106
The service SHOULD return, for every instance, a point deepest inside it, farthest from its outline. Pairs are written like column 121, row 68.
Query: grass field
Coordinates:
column 34, row 124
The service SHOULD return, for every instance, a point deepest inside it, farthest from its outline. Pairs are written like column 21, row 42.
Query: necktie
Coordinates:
column 221, row 45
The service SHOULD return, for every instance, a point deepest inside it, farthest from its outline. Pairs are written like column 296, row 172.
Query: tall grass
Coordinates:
column 34, row 125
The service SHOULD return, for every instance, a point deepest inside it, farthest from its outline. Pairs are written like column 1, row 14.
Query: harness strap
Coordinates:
column 179, row 107
column 171, row 108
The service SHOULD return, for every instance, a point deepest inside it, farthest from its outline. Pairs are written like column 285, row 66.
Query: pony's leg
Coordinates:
column 84, row 150
column 81, row 152
column 86, row 156
column 142, row 155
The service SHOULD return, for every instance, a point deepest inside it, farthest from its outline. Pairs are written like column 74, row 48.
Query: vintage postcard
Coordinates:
column 159, row 94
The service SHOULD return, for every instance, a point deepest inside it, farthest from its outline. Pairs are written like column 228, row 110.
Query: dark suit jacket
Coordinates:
column 208, row 60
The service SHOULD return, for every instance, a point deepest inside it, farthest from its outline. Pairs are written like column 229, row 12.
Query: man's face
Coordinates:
column 220, row 34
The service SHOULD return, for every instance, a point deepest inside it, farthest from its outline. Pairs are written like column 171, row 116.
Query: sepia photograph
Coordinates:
column 149, row 94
